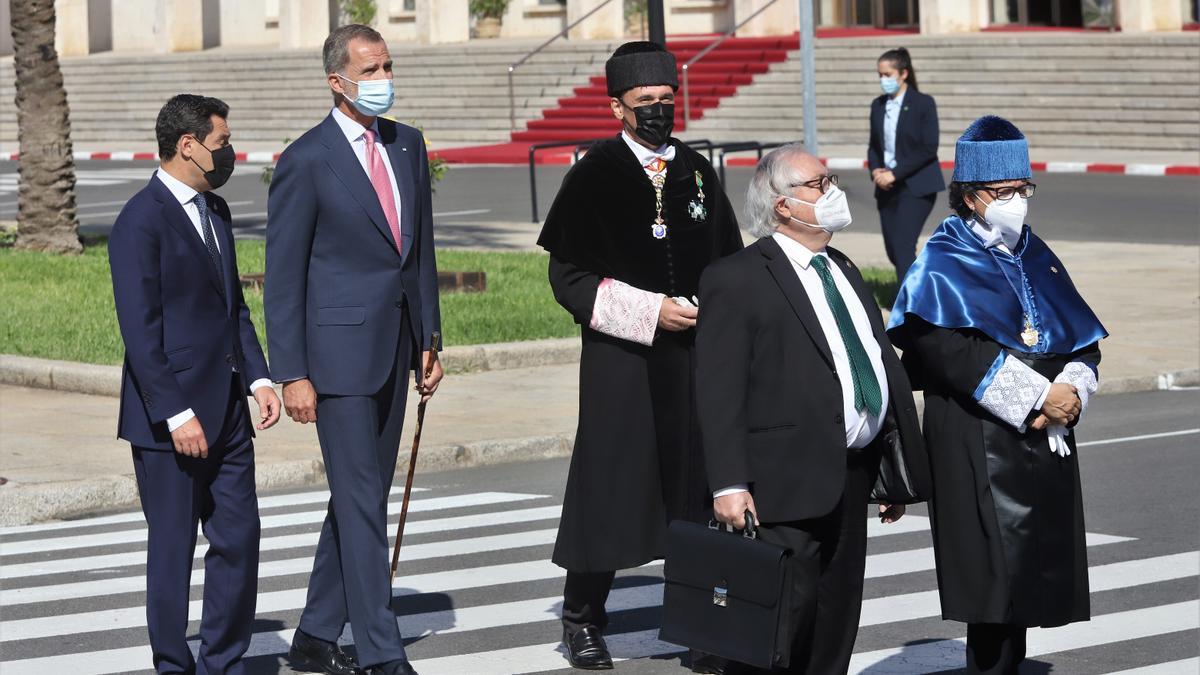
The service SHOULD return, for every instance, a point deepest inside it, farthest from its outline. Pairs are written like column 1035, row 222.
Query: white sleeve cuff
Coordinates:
column 1083, row 378
column 1013, row 392
column 732, row 490
column 625, row 312
column 176, row 421
column 1042, row 399
column 260, row 383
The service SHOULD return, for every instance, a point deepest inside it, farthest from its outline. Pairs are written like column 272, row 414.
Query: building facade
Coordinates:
column 160, row 26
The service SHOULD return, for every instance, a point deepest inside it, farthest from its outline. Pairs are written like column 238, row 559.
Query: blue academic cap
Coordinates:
column 991, row 149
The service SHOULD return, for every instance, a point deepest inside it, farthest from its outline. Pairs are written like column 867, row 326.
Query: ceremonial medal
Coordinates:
column 659, row 229
column 696, row 207
column 1030, row 335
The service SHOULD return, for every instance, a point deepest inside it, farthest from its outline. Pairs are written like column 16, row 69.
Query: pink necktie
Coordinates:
column 383, row 188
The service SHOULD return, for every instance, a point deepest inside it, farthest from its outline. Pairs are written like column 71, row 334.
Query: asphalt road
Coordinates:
column 1080, row 207
column 477, row 595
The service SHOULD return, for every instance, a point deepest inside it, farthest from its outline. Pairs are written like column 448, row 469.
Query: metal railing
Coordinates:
column 512, row 97
column 687, row 108
column 700, row 144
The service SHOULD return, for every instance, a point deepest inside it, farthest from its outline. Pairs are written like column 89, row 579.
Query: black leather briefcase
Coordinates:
column 727, row 594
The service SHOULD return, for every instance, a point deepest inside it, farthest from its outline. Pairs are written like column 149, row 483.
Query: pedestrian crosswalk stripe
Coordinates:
column 462, row 589
column 878, row 565
column 274, row 568
column 284, row 542
column 941, row 655
column 268, row 522
column 274, row 501
column 1181, row 667
column 920, row 560
column 309, row 539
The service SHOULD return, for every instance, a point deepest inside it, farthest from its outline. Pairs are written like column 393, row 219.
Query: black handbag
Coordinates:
column 727, row 594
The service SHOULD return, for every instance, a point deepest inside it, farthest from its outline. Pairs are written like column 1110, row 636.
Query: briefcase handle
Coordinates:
column 749, row 532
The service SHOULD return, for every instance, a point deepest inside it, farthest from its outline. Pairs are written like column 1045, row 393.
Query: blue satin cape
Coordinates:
column 957, row 283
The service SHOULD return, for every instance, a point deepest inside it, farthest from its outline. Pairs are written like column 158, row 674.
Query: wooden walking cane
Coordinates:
column 435, row 343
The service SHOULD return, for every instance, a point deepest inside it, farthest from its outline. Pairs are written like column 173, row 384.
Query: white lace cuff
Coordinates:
column 1013, row 392
column 625, row 312
column 1083, row 378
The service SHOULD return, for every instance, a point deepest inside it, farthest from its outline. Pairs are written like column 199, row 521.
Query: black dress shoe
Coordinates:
column 398, row 667
column 586, row 649
column 710, row 664
column 325, row 657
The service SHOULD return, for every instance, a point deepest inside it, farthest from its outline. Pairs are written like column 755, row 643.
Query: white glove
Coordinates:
column 1057, row 435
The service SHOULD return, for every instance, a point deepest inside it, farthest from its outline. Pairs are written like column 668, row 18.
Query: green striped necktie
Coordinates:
column 866, row 386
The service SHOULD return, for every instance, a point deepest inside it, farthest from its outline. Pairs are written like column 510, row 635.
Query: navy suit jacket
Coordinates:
column 917, row 166
column 336, row 287
column 185, row 326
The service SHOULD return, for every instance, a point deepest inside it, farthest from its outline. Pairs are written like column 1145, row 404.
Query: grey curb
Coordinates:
column 25, row 504
column 86, row 378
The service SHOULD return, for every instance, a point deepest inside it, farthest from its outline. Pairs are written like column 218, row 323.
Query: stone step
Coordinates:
column 1017, row 111
column 870, row 90
column 1143, row 96
column 1057, row 142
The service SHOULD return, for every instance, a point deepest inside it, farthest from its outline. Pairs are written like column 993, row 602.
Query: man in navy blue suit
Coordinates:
column 191, row 357
column 351, row 295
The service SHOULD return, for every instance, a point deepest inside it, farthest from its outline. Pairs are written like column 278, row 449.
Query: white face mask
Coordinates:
column 833, row 213
column 1007, row 218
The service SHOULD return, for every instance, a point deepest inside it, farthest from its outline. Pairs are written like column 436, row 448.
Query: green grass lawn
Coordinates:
column 62, row 307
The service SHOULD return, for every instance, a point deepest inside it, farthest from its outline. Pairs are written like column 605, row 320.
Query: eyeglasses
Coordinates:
column 821, row 183
column 1003, row 194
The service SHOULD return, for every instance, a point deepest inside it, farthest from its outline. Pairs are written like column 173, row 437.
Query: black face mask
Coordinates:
column 654, row 122
column 223, row 160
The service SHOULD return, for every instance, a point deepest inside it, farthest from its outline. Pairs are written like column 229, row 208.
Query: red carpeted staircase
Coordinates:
column 732, row 64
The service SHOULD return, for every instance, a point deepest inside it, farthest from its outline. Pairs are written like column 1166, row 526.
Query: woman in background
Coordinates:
column 902, row 156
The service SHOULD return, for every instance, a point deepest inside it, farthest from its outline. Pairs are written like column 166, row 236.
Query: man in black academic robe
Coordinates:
column 635, row 223
column 1007, row 354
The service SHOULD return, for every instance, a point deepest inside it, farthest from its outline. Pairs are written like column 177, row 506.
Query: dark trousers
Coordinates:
column 360, row 437
column 217, row 492
column 902, row 216
column 584, row 595
column 829, row 555
column 994, row 648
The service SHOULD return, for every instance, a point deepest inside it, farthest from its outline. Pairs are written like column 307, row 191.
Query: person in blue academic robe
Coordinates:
column 1006, row 351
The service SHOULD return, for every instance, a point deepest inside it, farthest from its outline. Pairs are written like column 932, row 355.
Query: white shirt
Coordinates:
column 861, row 427
column 891, row 116
column 357, row 136
column 185, row 194
column 645, row 155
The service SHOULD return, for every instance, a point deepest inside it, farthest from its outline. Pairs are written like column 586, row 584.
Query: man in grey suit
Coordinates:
column 351, row 295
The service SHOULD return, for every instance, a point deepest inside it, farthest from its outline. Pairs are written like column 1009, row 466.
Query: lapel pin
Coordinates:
column 1054, row 269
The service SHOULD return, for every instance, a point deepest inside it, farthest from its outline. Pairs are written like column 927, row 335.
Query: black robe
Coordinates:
column 1007, row 513
column 637, row 462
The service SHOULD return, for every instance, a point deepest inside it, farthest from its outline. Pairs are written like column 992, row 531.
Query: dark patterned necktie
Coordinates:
column 210, row 238
column 866, row 386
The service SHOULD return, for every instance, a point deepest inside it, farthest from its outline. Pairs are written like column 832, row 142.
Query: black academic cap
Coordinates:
column 640, row 64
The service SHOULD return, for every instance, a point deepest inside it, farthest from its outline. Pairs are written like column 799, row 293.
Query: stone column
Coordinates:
column 304, row 24
column 606, row 24
column 782, row 18
column 71, row 32
column 1141, row 16
column 175, row 25
column 941, row 17
column 443, row 21
column 244, row 24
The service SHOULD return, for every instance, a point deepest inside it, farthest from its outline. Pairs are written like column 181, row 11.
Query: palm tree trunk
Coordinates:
column 46, row 213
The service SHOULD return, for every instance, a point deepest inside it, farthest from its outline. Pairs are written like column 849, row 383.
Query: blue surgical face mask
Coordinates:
column 375, row 97
column 889, row 85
